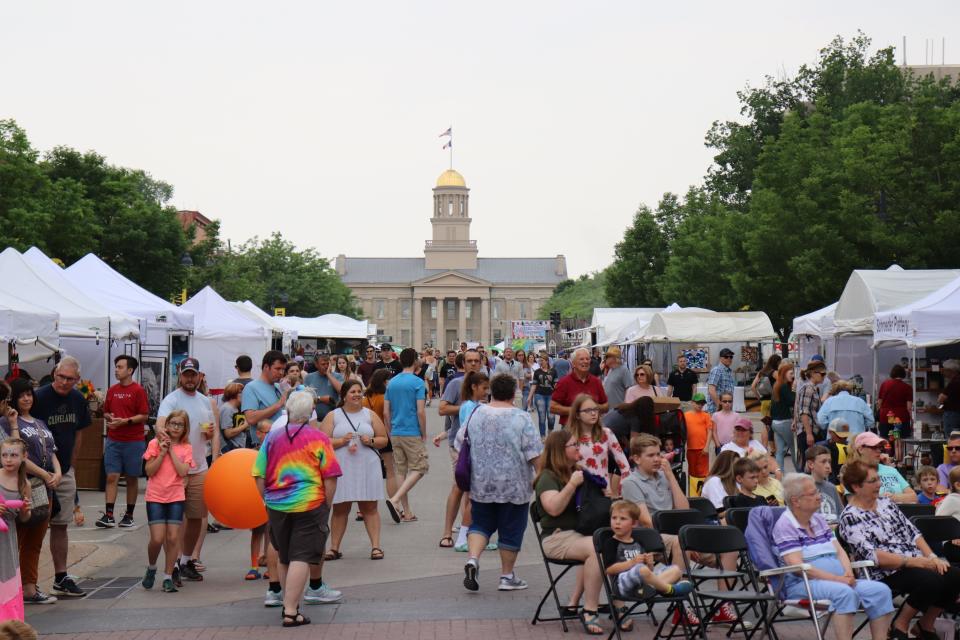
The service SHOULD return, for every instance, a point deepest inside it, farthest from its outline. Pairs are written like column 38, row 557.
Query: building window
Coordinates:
column 497, row 336
column 405, row 337
column 497, row 309
column 450, row 207
column 452, row 309
column 380, row 307
column 469, row 337
column 461, row 207
column 523, row 310
column 405, row 310
column 433, row 311
column 469, row 310
column 433, row 337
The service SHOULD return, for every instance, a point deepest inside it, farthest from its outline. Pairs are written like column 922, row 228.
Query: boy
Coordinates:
column 699, row 425
column 747, row 474
column 624, row 557
column 928, row 486
column 818, row 464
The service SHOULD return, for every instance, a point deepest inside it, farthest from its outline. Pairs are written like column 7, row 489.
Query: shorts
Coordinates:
column 561, row 545
column 124, row 457
column 299, row 537
column 509, row 519
column 195, row 507
column 410, row 454
column 66, row 491
column 698, row 462
column 165, row 512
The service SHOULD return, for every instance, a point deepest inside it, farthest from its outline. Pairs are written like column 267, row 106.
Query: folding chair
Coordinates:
column 651, row 543
column 563, row 613
column 914, row 510
column 937, row 529
column 706, row 507
column 719, row 540
column 671, row 521
column 738, row 517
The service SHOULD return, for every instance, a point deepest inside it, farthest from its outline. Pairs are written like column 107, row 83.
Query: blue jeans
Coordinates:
column 874, row 596
column 542, row 403
column 783, row 436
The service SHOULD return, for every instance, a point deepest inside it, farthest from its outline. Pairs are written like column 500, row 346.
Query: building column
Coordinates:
column 462, row 320
column 417, row 324
column 485, row 322
column 441, row 334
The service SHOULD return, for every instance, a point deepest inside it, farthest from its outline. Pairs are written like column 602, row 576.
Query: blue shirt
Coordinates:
column 258, row 395
column 403, row 392
column 853, row 410
column 721, row 377
column 562, row 366
column 323, row 387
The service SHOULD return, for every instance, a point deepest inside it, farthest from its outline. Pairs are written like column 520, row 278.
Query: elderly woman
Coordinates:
column 875, row 529
column 868, row 447
column 645, row 384
column 743, row 443
column 852, row 409
column 802, row 535
column 296, row 473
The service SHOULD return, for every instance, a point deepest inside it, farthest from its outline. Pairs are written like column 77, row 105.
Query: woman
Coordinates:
column 342, row 367
column 373, row 400
column 762, row 387
column 802, row 535
column 527, row 378
column 544, row 381
column 356, row 434
column 782, row 399
column 875, row 529
column 841, row 404
column 895, row 397
column 504, row 445
column 597, row 443
column 431, row 364
column 720, row 483
column 556, row 487
column 743, row 443
column 769, row 486
column 296, row 469
column 43, row 471
column 868, row 447
column 631, row 418
column 292, row 377
column 643, row 376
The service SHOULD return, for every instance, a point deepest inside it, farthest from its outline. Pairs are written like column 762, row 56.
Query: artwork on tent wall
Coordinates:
column 698, row 358
column 179, row 350
column 152, row 375
column 750, row 355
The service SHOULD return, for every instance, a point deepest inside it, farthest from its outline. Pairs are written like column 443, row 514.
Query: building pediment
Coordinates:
column 451, row 279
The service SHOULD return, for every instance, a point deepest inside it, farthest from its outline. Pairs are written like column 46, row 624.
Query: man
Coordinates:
column 950, row 398
column 562, row 364
column 595, row 363
column 65, row 412
column 463, row 347
column 511, row 367
column 579, row 381
column 388, row 360
column 953, row 454
column 244, row 367
column 616, row 379
column 187, row 398
column 720, row 381
column 819, row 467
column 808, row 405
column 682, row 381
column 325, row 384
column 405, row 417
column 448, row 370
column 849, row 408
column 368, row 366
column 125, row 410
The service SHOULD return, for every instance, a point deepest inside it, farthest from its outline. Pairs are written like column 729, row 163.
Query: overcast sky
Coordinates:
column 321, row 119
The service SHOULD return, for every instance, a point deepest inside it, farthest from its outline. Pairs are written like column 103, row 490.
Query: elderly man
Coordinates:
column 720, row 381
column 950, row 398
column 65, row 411
column 326, row 386
column 616, row 377
column 579, row 381
column 851, row 409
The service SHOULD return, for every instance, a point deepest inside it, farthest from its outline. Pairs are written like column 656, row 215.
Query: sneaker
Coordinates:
column 470, row 571
column 791, row 611
column 126, row 521
column 39, row 598
column 273, row 599
column 189, row 572
column 511, row 583
column 693, row 620
column 728, row 615
column 176, row 576
column 149, row 577
column 322, row 595
column 462, row 548
column 105, row 521
column 69, row 588
column 253, row 574
column 168, row 586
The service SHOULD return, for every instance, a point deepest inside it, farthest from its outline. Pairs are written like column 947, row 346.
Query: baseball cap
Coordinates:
column 612, row 352
column 840, row 427
column 189, row 364
column 868, row 439
column 743, row 424
column 816, row 358
column 726, row 353
column 386, row 347
column 699, row 399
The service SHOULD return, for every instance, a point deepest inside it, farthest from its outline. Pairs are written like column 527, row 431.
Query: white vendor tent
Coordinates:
column 280, row 333
column 607, row 321
column 817, row 323
column 703, row 326
column 930, row 321
column 32, row 330
column 331, row 325
column 221, row 333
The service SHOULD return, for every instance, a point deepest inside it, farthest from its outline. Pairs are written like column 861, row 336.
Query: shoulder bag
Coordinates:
column 593, row 505
column 461, row 472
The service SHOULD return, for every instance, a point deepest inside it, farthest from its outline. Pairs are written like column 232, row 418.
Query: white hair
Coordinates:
column 794, row 485
column 299, row 407
column 580, row 350
column 68, row 362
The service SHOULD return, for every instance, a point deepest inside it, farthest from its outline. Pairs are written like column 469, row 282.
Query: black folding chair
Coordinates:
column 738, row 517
column 563, row 613
column 914, row 510
column 671, row 521
column 704, row 506
column 937, row 529
column 743, row 592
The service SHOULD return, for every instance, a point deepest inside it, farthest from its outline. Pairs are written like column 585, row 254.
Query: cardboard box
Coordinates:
column 665, row 403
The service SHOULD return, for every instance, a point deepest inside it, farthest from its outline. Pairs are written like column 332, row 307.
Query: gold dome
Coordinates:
column 451, row 178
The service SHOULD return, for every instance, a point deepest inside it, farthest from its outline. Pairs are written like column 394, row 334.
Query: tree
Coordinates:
column 576, row 298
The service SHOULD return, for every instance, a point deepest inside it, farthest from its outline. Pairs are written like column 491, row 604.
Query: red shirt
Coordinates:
column 894, row 395
column 570, row 386
column 126, row 402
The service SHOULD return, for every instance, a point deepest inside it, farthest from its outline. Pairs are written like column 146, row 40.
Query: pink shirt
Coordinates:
column 636, row 391
column 166, row 485
column 595, row 455
column 723, row 422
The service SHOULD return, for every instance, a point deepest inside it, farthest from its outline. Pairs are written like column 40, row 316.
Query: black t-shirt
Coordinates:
column 448, row 371
column 64, row 415
column 545, row 381
column 422, row 373
column 394, row 366
column 952, row 392
column 614, row 551
column 595, row 367
column 741, row 500
column 683, row 383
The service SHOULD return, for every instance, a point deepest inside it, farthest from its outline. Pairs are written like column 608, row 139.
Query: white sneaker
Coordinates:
column 323, row 595
column 273, row 599
column 512, row 583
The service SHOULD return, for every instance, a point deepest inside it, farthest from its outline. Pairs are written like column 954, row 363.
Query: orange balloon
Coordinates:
column 231, row 492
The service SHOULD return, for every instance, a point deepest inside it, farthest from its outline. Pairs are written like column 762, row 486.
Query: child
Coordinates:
column 723, row 421
column 768, row 487
column 950, row 506
column 928, row 486
column 820, row 468
column 669, row 451
column 13, row 486
column 624, row 557
column 168, row 457
column 746, row 473
column 699, row 426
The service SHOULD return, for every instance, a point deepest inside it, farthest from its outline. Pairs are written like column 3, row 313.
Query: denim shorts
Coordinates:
column 507, row 519
column 124, row 457
column 165, row 512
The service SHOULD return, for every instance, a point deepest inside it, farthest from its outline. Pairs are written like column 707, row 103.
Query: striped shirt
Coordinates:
column 789, row 536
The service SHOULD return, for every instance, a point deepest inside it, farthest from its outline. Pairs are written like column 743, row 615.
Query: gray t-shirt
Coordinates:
column 654, row 492
column 830, row 505
column 451, row 393
column 198, row 408
column 615, row 385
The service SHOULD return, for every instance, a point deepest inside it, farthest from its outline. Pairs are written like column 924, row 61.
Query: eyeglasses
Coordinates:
column 175, row 424
column 60, row 376
column 592, row 410
column 641, row 375
column 953, row 448
column 571, row 445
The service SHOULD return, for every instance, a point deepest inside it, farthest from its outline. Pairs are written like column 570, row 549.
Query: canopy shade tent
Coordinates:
column 609, row 320
column 331, row 325
column 927, row 322
column 285, row 335
column 817, row 323
column 31, row 329
column 707, row 327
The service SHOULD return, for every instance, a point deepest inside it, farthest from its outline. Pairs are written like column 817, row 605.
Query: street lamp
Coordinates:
column 186, row 260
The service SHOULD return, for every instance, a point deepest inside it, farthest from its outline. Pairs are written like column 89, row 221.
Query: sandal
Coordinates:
column 332, row 554
column 295, row 620
column 376, row 553
column 359, row 517
column 395, row 512
column 591, row 623
column 404, row 518
column 446, row 539
column 626, row 624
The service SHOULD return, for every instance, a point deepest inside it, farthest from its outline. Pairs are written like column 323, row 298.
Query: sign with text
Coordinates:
column 529, row 329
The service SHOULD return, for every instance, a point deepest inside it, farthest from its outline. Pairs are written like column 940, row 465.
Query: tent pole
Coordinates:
column 913, row 376
column 873, row 395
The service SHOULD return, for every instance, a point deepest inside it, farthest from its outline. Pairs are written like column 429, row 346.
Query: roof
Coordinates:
column 493, row 270
column 451, row 178
column 707, row 326
column 928, row 322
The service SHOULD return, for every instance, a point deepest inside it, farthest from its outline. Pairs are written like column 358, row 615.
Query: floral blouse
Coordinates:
column 885, row 529
column 595, row 455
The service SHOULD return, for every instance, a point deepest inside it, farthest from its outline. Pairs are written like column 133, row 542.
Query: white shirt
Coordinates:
column 733, row 446
column 714, row 492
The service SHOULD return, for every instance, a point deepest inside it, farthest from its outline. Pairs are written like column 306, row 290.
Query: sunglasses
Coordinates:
column 953, row 448
column 726, row 402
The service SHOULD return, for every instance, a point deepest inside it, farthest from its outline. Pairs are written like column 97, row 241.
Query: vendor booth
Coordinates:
column 29, row 330
column 330, row 333
column 282, row 337
column 608, row 321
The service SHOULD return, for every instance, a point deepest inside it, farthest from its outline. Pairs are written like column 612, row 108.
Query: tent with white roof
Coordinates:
column 30, row 329
column 927, row 322
column 607, row 321
column 702, row 326
column 331, row 325
column 283, row 334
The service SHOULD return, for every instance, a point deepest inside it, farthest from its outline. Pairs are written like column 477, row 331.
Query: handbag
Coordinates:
column 764, row 387
column 593, row 505
column 461, row 472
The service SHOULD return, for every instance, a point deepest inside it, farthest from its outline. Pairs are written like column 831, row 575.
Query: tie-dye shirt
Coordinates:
column 293, row 463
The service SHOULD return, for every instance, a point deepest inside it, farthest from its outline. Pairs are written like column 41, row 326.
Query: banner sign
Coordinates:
column 529, row 329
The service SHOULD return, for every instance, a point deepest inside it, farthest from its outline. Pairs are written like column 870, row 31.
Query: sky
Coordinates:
column 321, row 120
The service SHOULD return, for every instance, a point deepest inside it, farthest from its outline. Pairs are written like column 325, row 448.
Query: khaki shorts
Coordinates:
column 563, row 545
column 410, row 454
column 66, row 492
column 195, row 507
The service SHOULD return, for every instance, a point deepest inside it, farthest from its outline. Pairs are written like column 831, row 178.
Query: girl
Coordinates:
column 373, row 400
column 782, row 399
column 723, row 421
column 13, row 486
column 597, row 442
column 720, row 482
column 527, row 378
column 168, row 457
column 769, row 486
column 233, row 425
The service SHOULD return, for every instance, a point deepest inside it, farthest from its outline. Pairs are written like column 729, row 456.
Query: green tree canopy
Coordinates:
column 576, row 298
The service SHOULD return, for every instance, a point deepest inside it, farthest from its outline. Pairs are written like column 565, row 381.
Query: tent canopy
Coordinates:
column 609, row 320
column 816, row 323
column 32, row 329
column 217, row 319
column 331, row 325
column 707, row 326
column 927, row 322
column 263, row 318
column 116, row 292
column 869, row 292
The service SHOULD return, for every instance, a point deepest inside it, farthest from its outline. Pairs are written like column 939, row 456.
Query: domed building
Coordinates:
column 450, row 294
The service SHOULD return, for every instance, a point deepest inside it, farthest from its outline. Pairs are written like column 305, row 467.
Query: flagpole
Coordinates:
column 451, row 147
